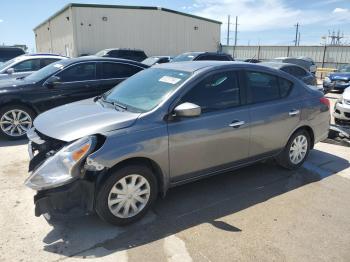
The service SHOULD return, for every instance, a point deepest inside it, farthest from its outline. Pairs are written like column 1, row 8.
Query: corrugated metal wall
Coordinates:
column 329, row 56
column 155, row 31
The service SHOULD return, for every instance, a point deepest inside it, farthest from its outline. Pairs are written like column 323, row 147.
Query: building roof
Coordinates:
column 124, row 7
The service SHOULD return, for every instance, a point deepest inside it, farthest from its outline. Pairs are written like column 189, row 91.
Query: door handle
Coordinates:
column 294, row 112
column 236, row 124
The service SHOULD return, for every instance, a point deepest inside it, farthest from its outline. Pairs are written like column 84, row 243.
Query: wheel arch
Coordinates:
column 309, row 130
column 20, row 103
column 161, row 183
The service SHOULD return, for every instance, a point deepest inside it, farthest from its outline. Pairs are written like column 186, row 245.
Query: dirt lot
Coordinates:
column 259, row 213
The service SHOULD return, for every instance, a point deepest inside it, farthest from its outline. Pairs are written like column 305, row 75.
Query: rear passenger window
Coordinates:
column 285, row 87
column 216, row 92
column 262, row 87
column 118, row 70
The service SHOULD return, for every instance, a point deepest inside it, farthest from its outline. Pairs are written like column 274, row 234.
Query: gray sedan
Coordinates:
column 165, row 126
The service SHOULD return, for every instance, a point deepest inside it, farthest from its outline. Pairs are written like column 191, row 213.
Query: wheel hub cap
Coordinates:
column 129, row 196
column 15, row 122
column 298, row 149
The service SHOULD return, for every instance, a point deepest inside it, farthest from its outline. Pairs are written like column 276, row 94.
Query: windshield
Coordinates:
column 184, row 57
column 345, row 69
column 150, row 61
column 7, row 63
column 47, row 71
column 147, row 89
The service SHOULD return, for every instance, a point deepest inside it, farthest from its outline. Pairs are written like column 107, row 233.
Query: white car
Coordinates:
column 342, row 109
column 24, row 65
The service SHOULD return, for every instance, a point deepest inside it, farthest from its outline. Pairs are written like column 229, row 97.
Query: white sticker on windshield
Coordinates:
column 169, row 80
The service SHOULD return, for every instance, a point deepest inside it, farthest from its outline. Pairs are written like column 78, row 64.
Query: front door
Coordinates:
column 218, row 137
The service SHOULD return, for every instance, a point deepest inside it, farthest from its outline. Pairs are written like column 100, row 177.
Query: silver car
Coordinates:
column 165, row 126
column 24, row 65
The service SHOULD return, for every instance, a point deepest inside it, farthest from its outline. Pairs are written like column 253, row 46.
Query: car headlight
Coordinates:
column 327, row 79
column 62, row 167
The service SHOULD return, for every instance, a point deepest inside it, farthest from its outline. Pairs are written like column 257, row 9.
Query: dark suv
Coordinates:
column 200, row 56
column 131, row 54
column 7, row 53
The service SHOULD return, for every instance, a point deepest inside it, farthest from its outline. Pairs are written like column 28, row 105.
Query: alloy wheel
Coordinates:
column 298, row 149
column 129, row 196
column 15, row 122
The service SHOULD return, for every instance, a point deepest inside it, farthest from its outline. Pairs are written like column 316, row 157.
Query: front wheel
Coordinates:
column 15, row 121
column 126, row 195
column 296, row 150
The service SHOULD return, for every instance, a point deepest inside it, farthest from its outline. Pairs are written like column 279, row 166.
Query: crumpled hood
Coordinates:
column 82, row 118
column 339, row 76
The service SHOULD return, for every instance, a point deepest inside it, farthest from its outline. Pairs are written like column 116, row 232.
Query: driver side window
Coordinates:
column 79, row 72
column 217, row 92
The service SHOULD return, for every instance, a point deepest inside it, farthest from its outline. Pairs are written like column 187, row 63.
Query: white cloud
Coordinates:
column 1, row 20
column 340, row 10
column 258, row 15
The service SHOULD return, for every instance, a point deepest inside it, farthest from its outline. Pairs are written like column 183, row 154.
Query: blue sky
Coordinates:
column 260, row 21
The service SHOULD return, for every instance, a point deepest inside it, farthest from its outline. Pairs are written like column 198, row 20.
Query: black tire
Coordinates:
column 284, row 160
column 101, row 202
column 10, row 107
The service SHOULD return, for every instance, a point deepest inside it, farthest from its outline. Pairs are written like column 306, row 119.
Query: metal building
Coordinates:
column 79, row 29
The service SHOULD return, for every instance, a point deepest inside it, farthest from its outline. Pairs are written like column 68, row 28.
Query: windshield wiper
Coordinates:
column 114, row 103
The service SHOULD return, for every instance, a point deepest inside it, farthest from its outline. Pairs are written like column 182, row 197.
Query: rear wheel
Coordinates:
column 296, row 150
column 126, row 195
column 15, row 120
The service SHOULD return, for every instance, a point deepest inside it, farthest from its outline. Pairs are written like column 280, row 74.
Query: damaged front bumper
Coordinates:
column 76, row 198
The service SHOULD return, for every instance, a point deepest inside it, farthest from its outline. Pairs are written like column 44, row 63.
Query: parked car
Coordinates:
column 199, row 56
column 165, row 126
column 59, row 83
column 7, row 53
column 339, row 80
column 294, row 70
column 24, row 65
column 342, row 109
column 248, row 60
column 153, row 60
column 130, row 54
column 305, row 62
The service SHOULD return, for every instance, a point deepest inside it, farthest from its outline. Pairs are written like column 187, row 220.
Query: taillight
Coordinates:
column 325, row 101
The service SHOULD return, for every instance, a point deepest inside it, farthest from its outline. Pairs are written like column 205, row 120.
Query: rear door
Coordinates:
column 274, row 115
column 218, row 137
column 111, row 74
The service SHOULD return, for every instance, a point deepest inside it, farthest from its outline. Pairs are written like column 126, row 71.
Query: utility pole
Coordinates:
column 236, row 25
column 296, row 34
column 228, row 30
column 299, row 39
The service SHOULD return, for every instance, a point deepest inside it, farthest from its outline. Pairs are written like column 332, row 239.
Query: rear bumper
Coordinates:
column 76, row 198
column 342, row 111
column 334, row 85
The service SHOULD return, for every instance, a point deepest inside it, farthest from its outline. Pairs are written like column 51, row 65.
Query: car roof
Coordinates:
column 192, row 66
column 123, row 49
column 279, row 65
column 107, row 59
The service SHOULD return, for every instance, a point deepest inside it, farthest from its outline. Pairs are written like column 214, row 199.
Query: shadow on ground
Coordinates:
column 205, row 201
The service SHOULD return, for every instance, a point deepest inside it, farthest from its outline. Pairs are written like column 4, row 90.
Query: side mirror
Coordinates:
column 187, row 110
column 52, row 81
column 10, row 71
